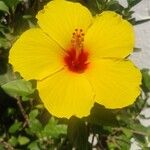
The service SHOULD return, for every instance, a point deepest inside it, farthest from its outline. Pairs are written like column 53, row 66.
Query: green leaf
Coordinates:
column 123, row 142
column 13, row 141
column 127, row 132
column 137, row 49
column 7, row 77
column 25, row 98
column 102, row 116
column 15, row 127
column 12, row 4
column 33, row 114
column 140, row 138
column 2, row 147
column 35, row 126
column 22, row 140
column 141, row 21
column 4, row 43
column 40, row 106
column 112, row 146
column 114, row 6
column 132, row 3
column 33, row 146
column 18, row 87
column 139, row 128
column 3, row 7
column 53, row 129
column 78, row 134
column 146, row 78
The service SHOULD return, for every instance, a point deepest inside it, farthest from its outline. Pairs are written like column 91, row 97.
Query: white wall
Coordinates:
column 142, row 58
column 142, row 31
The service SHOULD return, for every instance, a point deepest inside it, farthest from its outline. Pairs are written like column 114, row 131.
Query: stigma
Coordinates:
column 76, row 58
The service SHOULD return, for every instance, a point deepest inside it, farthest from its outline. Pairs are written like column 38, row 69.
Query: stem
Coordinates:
column 133, row 131
column 25, row 116
column 93, row 138
column 100, row 144
column 6, row 145
column 139, row 132
column 122, row 140
column 144, row 104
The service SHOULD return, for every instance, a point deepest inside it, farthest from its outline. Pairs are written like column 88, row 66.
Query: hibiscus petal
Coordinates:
column 65, row 94
column 116, row 83
column 110, row 36
column 60, row 18
column 35, row 55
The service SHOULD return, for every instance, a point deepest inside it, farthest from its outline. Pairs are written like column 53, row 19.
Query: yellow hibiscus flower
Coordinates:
column 78, row 59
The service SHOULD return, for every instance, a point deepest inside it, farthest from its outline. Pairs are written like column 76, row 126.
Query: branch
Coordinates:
column 6, row 145
column 133, row 131
column 25, row 116
column 144, row 104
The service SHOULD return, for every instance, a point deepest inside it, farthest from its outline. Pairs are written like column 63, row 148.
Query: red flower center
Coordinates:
column 76, row 58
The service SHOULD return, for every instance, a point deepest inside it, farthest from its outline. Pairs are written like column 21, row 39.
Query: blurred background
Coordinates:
column 142, row 58
column 142, row 11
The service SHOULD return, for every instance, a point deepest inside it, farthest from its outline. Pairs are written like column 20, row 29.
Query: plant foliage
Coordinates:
column 25, row 124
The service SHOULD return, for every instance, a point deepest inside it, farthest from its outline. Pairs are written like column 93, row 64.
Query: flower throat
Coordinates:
column 76, row 58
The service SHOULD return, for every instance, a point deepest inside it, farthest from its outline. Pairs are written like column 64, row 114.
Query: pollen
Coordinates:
column 77, row 39
column 76, row 58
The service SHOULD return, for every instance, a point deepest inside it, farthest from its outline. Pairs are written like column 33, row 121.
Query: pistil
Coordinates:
column 77, row 57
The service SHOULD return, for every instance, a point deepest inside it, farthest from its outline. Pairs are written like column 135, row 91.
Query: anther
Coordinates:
column 81, row 30
column 77, row 39
column 77, row 57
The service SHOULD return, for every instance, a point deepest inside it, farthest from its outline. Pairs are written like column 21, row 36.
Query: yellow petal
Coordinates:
column 65, row 94
column 60, row 18
column 116, row 82
column 35, row 55
column 110, row 36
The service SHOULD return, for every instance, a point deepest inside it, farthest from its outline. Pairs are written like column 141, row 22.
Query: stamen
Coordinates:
column 77, row 39
column 77, row 57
